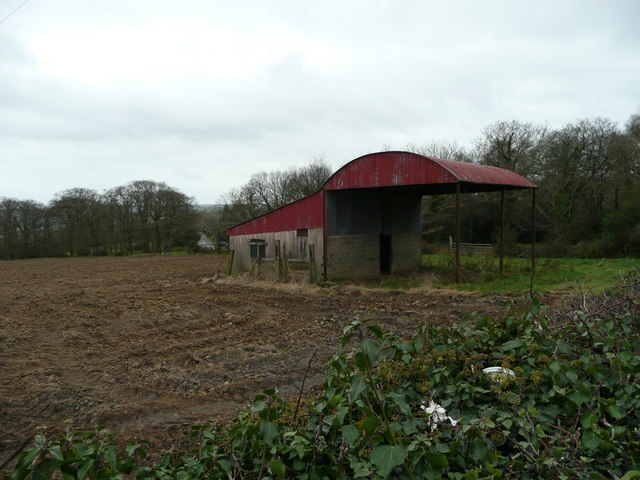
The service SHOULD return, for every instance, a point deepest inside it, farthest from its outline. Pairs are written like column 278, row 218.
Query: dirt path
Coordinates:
column 151, row 345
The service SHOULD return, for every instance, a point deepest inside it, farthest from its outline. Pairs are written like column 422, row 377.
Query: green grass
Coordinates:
column 481, row 273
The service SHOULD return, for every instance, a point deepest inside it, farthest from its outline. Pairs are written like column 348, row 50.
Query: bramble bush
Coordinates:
column 419, row 408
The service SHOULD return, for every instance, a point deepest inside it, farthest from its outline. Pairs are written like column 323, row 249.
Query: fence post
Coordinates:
column 312, row 264
column 230, row 266
column 278, row 266
column 285, row 262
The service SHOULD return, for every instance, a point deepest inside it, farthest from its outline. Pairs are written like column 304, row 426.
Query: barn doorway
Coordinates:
column 385, row 254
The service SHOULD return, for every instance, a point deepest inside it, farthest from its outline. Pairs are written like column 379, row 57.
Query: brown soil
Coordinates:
column 150, row 345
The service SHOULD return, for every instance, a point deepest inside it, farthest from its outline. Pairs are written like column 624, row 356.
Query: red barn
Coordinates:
column 366, row 219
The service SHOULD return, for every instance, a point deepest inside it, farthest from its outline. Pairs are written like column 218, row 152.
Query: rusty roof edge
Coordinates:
column 503, row 171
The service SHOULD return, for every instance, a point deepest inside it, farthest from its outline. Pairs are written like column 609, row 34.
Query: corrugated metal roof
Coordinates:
column 304, row 213
column 395, row 169
column 401, row 170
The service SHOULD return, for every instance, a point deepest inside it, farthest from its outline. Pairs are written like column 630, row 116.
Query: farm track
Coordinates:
column 150, row 345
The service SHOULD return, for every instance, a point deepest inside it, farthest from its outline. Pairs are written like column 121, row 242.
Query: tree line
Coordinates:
column 588, row 173
column 588, row 202
column 143, row 216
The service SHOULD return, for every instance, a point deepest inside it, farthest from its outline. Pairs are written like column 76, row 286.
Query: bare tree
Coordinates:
column 121, row 219
column 445, row 149
column 266, row 191
column 161, row 214
column 577, row 169
column 30, row 218
column 77, row 213
column 8, row 227
column 512, row 145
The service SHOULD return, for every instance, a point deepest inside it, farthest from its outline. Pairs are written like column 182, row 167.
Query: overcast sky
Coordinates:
column 202, row 94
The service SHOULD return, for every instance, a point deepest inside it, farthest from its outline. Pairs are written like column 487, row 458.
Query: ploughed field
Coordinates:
column 150, row 345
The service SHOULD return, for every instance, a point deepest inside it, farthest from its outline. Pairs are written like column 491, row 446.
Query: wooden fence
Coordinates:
column 472, row 248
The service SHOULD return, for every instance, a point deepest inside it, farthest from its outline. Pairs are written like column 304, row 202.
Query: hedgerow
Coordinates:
column 566, row 406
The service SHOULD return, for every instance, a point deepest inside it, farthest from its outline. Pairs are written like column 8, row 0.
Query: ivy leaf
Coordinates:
column 588, row 420
column 56, row 452
column 342, row 413
column 387, row 457
column 84, row 467
column 591, row 440
column 358, row 386
column 478, row 449
column 181, row 475
column 557, row 452
column 83, row 450
column 369, row 424
column 614, row 411
column 345, row 340
column 370, row 348
column 376, row 330
column 350, row 326
column 578, row 397
column 362, row 362
column 554, row 367
column 110, row 455
column 225, row 465
column 572, row 376
column 511, row 344
column 401, row 402
column 135, row 447
column 269, row 432
column 360, row 469
column 596, row 476
column 277, row 467
column 26, row 458
column 350, row 434
column 631, row 475
column 437, row 461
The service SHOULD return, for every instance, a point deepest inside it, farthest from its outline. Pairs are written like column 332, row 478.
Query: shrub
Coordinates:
column 420, row 407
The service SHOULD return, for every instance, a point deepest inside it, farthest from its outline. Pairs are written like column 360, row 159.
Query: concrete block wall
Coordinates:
column 352, row 256
column 406, row 254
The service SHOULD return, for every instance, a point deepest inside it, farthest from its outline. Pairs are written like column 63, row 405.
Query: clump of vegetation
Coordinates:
column 481, row 273
column 567, row 406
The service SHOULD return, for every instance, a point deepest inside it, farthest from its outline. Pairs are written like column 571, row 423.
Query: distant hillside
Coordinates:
column 208, row 207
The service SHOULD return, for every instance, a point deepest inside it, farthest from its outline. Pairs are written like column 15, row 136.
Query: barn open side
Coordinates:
column 366, row 219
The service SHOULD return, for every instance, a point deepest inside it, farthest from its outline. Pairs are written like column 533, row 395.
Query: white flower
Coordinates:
column 437, row 414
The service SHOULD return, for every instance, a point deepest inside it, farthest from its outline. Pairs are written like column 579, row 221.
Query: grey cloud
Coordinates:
column 411, row 72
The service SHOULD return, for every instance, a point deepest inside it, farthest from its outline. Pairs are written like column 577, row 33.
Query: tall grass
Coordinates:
column 481, row 273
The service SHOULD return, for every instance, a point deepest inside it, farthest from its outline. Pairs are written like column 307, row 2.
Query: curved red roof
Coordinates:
column 405, row 170
column 395, row 169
